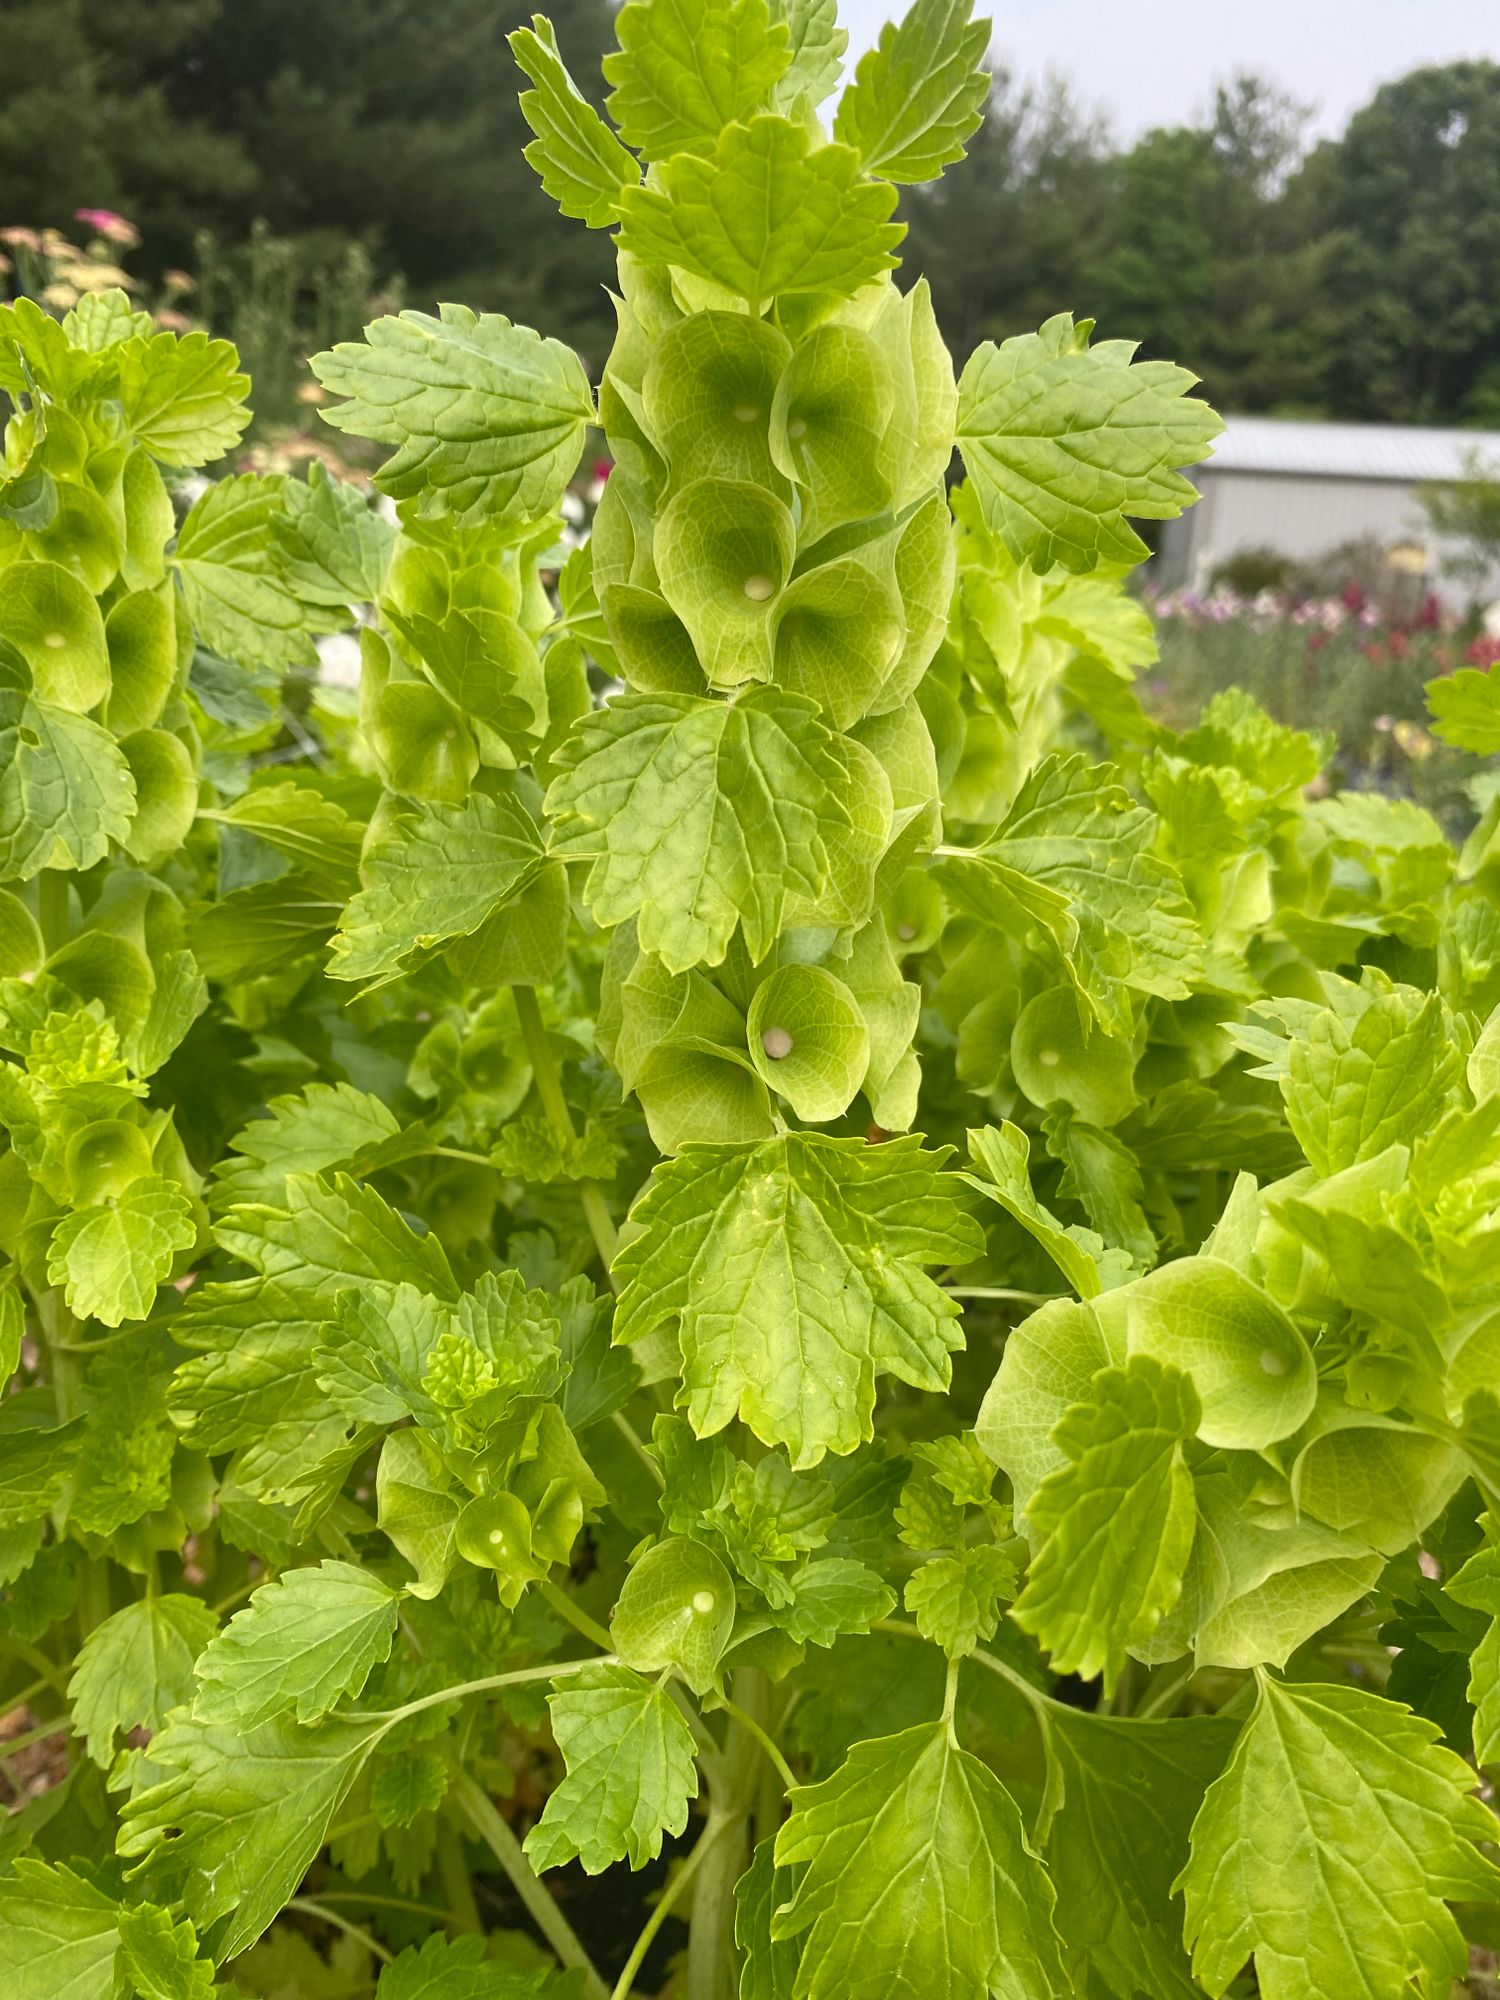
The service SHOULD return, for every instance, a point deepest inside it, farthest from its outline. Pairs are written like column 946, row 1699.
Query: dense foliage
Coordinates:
column 1353, row 279
column 690, row 1237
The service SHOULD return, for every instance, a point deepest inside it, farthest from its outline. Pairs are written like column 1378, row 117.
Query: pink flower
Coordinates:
column 104, row 222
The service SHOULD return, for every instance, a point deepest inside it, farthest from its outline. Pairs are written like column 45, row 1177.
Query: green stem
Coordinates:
column 557, row 1670
column 1167, row 1692
column 766, row 1741
column 494, row 1830
column 311, row 1907
column 665, row 1903
column 57, row 1326
column 1040, row 1703
column 950, row 1699
column 632, row 1437
column 549, row 1089
column 453, row 1870
column 37, row 1735
column 1003, row 1292
column 53, row 909
column 37, row 1660
column 711, row 1970
column 564, row 1606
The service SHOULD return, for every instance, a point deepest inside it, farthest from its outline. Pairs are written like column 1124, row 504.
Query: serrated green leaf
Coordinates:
column 456, row 1969
column 1375, row 1069
column 1477, row 1586
column 831, row 1596
column 795, row 1270
column 332, row 547
column 61, row 1934
column 308, row 1132
column 487, row 417
column 1004, row 1153
column 630, row 1772
column 1328, row 1847
column 112, row 1256
column 768, row 1965
column 434, row 874
column 1466, row 710
column 228, row 567
column 134, row 1666
column 1115, row 1525
column 300, row 1645
column 101, row 320
column 919, row 94
column 65, row 789
column 182, row 396
column 699, row 816
column 160, row 1957
column 1062, row 441
column 1118, row 1838
column 685, row 69
column 414, row 1783
column 956, row 1599
column 1074, row 858
column 329, row 1236
column 818, row 44
column 917, row 1881
column 766, row 217
column 240, row 1817
column 578, row 160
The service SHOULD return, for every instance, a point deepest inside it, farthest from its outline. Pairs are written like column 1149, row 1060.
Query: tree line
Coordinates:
column 1355, row 278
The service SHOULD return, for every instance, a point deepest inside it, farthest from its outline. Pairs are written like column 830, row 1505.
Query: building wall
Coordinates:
column 1296, row 515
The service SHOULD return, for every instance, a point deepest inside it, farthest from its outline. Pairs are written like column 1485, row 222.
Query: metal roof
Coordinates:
column 1403, row 453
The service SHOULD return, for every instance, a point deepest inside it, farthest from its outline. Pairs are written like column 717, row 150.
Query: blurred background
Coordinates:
column 1299, row 202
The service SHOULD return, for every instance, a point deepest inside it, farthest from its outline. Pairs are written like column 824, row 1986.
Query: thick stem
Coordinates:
column 665, row 1902
column 494, row 1830
column 712, row 1973
column 549, row 1089
column 58, row 1327
column 53, row 909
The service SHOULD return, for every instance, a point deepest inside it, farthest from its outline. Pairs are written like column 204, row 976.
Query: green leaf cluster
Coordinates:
column 736, row 1223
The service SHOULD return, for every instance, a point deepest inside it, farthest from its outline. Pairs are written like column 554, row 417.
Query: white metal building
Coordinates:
column 1304, row 489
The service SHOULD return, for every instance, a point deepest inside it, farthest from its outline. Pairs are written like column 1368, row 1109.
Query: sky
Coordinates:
column 1155, row 62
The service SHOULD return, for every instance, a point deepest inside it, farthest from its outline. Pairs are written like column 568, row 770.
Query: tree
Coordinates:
column 393, row 122
column 1416, row 202
column 86, row 118
column 1017, row 227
